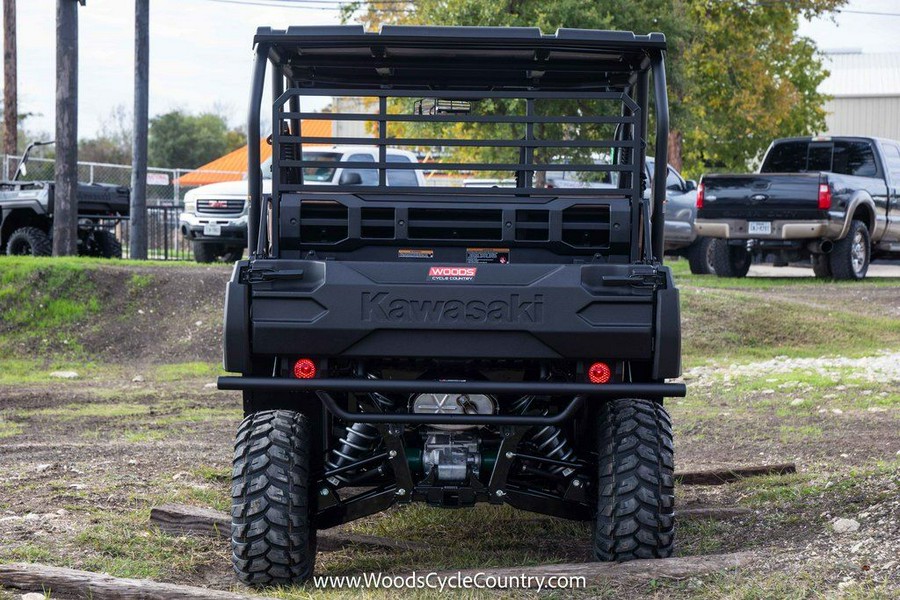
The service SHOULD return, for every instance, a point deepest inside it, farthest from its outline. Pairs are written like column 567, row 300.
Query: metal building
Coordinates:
column 865, row 90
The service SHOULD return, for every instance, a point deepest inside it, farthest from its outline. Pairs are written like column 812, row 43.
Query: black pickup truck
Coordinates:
column 832, row 200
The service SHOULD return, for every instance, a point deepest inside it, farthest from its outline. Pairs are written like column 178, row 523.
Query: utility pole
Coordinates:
column 65, row 207
column 10, row 94
column 137, row 240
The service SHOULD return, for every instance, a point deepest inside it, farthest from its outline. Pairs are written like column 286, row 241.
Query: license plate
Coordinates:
column 212, row 229
column 759, row 227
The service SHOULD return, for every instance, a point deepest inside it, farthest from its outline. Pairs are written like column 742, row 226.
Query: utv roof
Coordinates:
column 442, row 56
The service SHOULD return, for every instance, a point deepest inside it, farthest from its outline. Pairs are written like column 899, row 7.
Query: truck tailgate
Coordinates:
column 766, row 196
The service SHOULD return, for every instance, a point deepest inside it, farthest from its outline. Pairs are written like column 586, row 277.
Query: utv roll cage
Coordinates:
column 437, row 71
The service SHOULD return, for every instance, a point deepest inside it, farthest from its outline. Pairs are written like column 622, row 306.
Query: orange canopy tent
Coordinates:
column 233, row 166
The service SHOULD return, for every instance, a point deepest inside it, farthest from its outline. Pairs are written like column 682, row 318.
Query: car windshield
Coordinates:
column 320, row 173
column 310, row 173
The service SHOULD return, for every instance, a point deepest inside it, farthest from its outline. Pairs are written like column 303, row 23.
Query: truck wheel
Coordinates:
column 700, row 256
column 636, row 488
column 821, row 264
column 206, row 253
column 850, row 256
column 107, row 244
column 730, row 261
column 233, row 254
column 29, row 241
column 272, row 540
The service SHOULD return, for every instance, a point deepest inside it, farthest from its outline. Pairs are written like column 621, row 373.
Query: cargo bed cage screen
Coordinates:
column 460, row 115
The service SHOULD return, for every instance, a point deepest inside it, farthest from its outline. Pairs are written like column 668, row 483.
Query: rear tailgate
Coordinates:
column 369, row 309
column 765, row 197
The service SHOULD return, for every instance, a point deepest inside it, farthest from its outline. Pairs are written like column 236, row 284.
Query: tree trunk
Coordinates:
column 10, row 99
column 137, row 244
column 675, row 143
column 65, row 208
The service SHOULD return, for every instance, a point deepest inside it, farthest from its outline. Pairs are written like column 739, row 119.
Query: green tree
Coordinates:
column 181, row 140
column 739, row 74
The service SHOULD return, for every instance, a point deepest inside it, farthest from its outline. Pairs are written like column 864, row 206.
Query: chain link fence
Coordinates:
column 165, row 199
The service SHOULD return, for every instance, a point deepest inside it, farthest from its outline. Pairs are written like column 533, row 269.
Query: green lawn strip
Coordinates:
column 683, row 278
column 187, row 370
column 18, row 371
column 29, row 263
column 720, row 325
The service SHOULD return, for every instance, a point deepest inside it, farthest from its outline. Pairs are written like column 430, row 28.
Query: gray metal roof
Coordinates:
column 858, row 75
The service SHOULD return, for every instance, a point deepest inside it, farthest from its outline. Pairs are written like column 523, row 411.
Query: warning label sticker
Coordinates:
column 487, row 255
column 416, row 253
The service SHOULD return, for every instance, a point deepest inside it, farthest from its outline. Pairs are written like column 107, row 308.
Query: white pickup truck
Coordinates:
column 215, row 216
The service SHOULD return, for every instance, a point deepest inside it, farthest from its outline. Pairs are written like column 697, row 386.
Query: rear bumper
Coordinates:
column 737, row 229
column 234, row 229
column 377, row 310
column 578, row 391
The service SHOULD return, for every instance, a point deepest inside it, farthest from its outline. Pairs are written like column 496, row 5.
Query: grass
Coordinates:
column 684, row 278
column 727, row 325
column 16, row 371
column 40, row 302
column 9, row 429
column 91, row 410
column 188, row 370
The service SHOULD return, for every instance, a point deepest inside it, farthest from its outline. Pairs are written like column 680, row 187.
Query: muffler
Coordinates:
column 820, row 246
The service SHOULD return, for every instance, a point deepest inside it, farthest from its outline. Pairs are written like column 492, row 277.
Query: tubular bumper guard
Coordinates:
column 580, row 391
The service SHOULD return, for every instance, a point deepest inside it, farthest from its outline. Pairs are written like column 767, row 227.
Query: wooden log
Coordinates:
column 184, row 519
column 711, row 512
column 633, row 571
column 722, row 476
column 181, row 519
column 97, row 586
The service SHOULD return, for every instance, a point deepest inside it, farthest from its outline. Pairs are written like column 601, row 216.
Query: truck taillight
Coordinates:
column 824, row 196
column 304, row 369
column 700, row 194
column 599, row 372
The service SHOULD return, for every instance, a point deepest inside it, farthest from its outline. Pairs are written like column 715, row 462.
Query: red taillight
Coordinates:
column 700, row 192
column 599, row 373
column 304, row 369
column 824, row 196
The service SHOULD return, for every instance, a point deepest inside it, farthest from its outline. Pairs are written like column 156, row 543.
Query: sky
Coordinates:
column 200, row 52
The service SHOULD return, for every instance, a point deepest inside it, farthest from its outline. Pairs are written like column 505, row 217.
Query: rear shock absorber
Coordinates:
column 358, row 442
column 549, row 440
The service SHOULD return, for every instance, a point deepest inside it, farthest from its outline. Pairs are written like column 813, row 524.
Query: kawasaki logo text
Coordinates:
column 382, row 307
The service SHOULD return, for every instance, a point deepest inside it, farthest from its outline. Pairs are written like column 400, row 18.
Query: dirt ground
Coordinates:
column 82, row 461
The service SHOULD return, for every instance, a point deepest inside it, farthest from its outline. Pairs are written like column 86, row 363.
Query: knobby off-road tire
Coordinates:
column 821, row 264
column 850, row 256
column 206, row 253
column 636, row 488
column 271, row 538
column 700, row 256
column 730, row 261
column 105, row 244
column 233, row 254
column 29, row 241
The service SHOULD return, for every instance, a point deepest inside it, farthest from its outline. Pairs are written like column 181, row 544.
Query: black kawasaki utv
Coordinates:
column 507, row 343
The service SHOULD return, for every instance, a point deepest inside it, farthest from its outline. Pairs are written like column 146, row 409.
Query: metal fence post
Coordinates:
column 176, row 186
